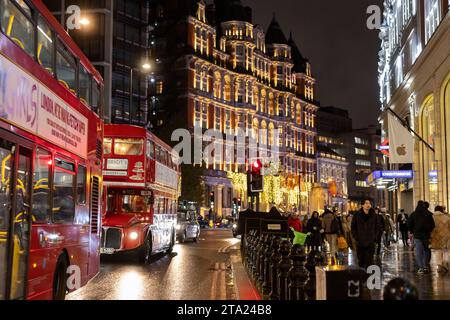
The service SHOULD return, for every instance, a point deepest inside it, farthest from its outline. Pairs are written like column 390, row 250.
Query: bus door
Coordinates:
column 15, row 177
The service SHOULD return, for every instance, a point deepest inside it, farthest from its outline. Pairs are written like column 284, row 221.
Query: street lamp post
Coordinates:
column 145, row 67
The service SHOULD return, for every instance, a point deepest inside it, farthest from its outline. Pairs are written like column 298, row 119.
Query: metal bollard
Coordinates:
column 284, row 266
column 262, row 257
column 275, row 259
column 259, row 251
column 298, row 275
column 267, row 284
column 248, row 249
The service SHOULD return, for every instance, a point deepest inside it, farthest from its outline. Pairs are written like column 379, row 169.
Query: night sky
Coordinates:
column 342, row 51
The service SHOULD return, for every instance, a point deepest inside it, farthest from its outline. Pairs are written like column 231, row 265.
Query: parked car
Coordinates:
column 187, row 226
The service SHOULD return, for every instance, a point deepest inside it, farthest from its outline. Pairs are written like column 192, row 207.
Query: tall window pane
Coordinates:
column 41, row 191
column 45, row 46
column 17, row 25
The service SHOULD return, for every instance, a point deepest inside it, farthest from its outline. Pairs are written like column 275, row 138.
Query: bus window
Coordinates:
column 41, row 191
column 129, row 147
column 45, row 46
column 6, row 163
column 150, row 150
column 135, row 204
column 21, row 224
column 95, row 105
column 63, row 194
column 81, row 185
column 17, row 24
column 85, row 86
column 65, row 68
column 107, row 145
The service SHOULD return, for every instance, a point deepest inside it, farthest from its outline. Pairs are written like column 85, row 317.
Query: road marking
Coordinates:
column 214, row 282
column 218, row 282
column 223, row 285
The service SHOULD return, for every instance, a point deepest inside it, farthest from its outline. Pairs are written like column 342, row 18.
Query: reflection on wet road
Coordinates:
column 194, row 271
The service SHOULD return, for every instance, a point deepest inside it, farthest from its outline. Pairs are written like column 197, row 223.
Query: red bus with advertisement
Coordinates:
column 50, row 156
column 141, row 179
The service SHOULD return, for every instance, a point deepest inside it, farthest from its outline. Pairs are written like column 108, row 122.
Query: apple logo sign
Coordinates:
column 401, row 151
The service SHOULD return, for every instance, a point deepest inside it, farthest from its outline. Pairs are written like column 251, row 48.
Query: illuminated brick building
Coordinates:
column 216, row 69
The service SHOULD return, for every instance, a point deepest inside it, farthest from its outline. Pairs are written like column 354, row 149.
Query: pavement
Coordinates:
column 398, row 261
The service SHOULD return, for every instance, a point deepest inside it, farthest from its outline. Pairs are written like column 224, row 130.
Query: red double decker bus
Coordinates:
column 141, row 192
column 50, row 156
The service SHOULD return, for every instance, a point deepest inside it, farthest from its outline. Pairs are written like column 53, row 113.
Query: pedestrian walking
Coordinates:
column 427, row 208
column 366, row 227
column 294, row 223
column 314, row 227
column 421, row 224
column 380, row 221
column 388, row 228
column 440, row 239
column 331, row 229
column 402, row 221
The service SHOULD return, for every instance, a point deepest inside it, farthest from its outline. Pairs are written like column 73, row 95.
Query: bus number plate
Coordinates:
column 107, row 250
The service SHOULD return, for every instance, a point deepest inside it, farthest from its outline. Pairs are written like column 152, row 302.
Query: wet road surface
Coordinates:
column 194, row 271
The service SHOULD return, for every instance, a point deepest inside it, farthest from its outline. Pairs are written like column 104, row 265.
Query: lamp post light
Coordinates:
column 146, row 66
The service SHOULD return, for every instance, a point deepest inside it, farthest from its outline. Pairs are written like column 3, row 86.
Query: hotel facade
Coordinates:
column 215, row 69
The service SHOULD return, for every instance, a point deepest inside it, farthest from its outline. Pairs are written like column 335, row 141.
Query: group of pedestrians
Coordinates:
column 365, row 231
column 431, row 232
column 331, row 230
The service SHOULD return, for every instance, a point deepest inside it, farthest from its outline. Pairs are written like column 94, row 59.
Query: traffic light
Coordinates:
column 256, row 178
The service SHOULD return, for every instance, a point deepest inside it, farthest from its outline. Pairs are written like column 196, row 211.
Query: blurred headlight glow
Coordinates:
column 134, row 235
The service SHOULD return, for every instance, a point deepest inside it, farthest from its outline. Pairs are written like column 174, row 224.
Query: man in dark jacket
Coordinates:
column 365, row 230
column 421, row 224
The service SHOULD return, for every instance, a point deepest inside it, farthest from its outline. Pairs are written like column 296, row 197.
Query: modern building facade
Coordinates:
column 217, row 70
column 363, row 154
column 414, row 77
column 117, row 41
column 356, row 150
column 332, row 166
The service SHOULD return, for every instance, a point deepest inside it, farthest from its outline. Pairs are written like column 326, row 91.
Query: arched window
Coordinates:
column 430, row 171
column 217, row 85
column 205, row 82
column 263, row 101
column 299, row 114
column 272, row 138
column 256, row 130
column 263, row 133
column 227, row 88
column 256, row 97
column 271, row 104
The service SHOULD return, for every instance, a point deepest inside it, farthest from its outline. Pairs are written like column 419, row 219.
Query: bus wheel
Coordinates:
column 196, row 238
column 183, row 237
column 60, row 279
column 172, row 242
column 146, row 250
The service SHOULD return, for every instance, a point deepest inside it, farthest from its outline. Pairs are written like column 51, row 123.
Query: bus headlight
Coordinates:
column 134, row 235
